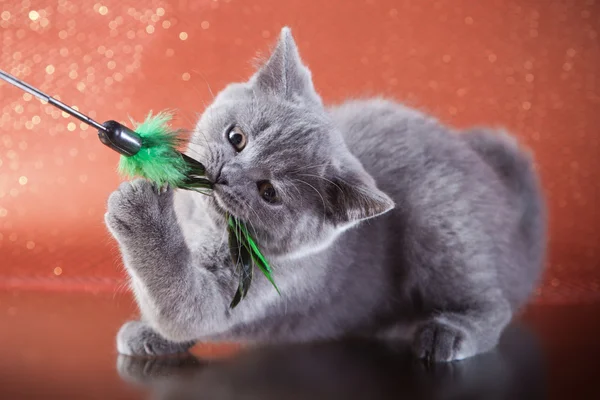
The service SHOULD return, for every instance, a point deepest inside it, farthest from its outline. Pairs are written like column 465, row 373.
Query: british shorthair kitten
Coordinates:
column 378, row 220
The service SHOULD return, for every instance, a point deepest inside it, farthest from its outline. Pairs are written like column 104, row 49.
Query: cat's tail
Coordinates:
column 515, row 168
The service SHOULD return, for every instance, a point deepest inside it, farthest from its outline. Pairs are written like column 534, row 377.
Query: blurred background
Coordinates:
column 532, row 66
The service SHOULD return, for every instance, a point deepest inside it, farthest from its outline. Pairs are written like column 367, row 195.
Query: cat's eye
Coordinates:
column 267, row 192
column 237, row 138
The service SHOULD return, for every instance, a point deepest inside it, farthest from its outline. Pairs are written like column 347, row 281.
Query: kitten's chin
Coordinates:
column 224, row 201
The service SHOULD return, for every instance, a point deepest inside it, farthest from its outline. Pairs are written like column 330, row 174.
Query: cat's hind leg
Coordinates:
column 456, row 335
column 137, row 338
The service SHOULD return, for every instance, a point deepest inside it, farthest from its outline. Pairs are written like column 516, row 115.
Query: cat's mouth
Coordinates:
column 226, row 200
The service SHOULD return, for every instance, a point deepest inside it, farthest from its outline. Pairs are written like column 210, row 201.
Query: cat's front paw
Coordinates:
column 137, row 207
column 437, row 341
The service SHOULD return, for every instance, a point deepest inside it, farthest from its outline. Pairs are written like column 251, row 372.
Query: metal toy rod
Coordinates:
column 113, row 134
column 51, row 100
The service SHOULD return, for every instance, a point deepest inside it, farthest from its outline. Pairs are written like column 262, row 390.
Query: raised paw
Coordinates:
column 137, row 207
column 436, row 341
column 136, row 338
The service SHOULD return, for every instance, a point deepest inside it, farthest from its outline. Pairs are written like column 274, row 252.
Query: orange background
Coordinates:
column 531, row 66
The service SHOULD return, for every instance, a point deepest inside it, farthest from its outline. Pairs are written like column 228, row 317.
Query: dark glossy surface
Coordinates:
column 56, row 345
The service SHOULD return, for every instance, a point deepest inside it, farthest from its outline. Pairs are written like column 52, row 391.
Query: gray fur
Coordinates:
column 391, row 225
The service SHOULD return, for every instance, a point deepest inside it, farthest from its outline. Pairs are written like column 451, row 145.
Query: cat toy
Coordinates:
column 151, row 152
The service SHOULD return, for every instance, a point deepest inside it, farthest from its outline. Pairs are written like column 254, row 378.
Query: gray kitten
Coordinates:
column 378, row 220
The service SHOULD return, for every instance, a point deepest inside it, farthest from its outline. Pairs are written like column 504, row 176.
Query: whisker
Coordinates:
column 298, row 191
column 315, row 189
column 205, row 81
column 325, row 179
column 223, row 236
column 249, row 206
column 187, row 119
column 304, row 167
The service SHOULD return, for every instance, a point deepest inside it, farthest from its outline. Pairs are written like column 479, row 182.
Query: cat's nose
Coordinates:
column 221, row 178
column 221, row 181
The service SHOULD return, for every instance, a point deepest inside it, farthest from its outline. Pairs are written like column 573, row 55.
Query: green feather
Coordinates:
column 255, row 251
column 244, row 238
column 159, row 160
column 244, row 263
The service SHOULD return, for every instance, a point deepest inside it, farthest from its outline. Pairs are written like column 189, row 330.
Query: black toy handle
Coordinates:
column 120, row 138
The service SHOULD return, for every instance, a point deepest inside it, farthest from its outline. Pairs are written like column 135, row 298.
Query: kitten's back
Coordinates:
column 515, row 168
column 430, row 170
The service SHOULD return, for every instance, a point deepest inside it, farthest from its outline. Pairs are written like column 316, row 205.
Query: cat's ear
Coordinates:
column 353, row 196
column 284, row 74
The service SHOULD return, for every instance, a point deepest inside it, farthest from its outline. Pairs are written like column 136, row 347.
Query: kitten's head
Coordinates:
column 279, row 162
